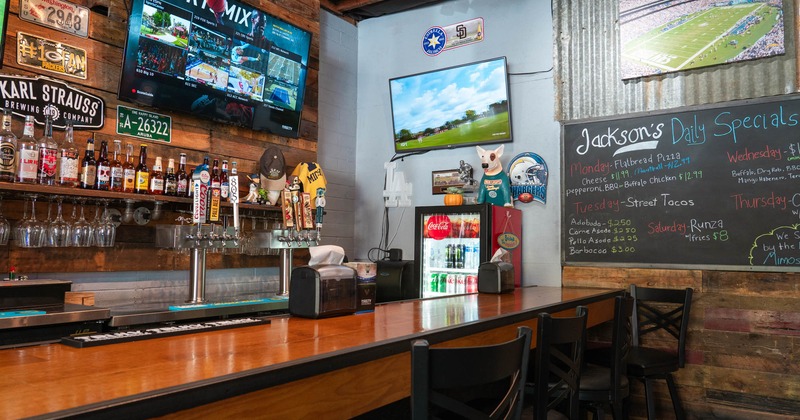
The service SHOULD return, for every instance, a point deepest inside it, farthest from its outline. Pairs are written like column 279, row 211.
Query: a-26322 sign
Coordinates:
column 40, row 96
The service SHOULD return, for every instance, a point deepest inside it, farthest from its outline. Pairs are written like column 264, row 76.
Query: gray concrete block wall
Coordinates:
column 336, row 152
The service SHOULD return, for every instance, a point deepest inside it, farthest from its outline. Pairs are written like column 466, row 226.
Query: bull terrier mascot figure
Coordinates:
column 495, row 187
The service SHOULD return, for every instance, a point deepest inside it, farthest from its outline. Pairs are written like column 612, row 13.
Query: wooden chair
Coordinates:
column 664, row 312
column 604, row 381
column 557, row 362
column 482, row 382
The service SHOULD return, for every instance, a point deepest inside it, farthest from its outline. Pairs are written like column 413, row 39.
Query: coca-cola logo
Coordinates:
column 438, row 226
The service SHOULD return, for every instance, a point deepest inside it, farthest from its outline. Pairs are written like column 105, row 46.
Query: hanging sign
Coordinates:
column 40, row 96
column 60, row 15
column 438, row 39
column 528, row 175
column 143, row 124
column 49, row 55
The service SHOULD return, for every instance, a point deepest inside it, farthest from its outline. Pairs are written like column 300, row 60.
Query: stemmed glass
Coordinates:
column 5, row 227
column 59, row 231
column 81, row 229
column 104, row 228
column 31, row 232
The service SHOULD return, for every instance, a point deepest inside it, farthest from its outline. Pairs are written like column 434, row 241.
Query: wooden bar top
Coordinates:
column 159, row 376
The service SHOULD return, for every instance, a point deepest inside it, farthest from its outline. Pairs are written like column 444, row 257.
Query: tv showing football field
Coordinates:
column 668, row 36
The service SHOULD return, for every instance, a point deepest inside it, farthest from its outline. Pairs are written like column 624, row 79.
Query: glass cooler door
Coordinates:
column 449, row 251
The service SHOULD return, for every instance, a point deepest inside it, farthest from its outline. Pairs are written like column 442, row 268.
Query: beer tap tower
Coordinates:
column 299, row 230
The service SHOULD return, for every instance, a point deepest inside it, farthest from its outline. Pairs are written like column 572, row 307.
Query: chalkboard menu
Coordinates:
column 713, row 187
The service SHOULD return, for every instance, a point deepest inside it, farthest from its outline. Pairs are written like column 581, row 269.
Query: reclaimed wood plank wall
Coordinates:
column 195, row 137
column 742, row 350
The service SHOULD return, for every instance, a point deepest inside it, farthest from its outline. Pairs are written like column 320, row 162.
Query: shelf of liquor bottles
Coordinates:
column 10, row 190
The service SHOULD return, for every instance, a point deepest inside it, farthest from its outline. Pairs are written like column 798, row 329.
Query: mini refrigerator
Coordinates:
column 450, row 242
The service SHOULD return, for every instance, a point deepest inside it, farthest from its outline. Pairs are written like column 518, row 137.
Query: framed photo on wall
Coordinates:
column 663, row 37
column 3, row 27
column 442, row 180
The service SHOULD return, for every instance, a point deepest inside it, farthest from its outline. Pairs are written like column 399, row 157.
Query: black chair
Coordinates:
column 606, row 384
column 662, row 312
column 482, row 382
column 557, row 363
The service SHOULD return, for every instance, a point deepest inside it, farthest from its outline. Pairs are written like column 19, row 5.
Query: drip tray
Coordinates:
column 36, row 316
column 149, row 314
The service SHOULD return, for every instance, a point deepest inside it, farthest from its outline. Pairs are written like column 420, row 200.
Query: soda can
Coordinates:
column 461, row 282
column 434, row 285
column 442, row 283
column 472, row 283
column 451, row 283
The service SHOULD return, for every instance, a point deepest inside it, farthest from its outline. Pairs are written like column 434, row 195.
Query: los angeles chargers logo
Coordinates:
column 434, row 40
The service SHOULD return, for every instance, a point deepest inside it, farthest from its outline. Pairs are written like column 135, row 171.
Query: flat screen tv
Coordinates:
column 216, row 59
column 457, row 106
column 3, row 26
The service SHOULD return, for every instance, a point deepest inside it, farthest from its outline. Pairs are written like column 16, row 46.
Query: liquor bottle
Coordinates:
column 8, row 150
column 170, row 180
column 142, row 173
column 224, row 185
column 88, row 166
column 103, row 178
column 116, row 181
column 216, row 181
column 27, row 154
column 183, row 179
column 48, row 155
column 201, row 172
column 68, row 159
column 128, row 170
column 157, row 178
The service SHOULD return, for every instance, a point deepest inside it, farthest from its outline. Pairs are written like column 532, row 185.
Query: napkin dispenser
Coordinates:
column 323, row 291
column 496, row 277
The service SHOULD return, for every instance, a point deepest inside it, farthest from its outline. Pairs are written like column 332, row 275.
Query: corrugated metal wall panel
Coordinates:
column 589, row 85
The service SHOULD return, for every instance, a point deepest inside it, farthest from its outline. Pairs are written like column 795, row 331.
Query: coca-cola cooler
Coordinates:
column 452, row 241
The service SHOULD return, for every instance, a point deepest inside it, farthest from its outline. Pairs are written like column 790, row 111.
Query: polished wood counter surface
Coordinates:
column 290, row 368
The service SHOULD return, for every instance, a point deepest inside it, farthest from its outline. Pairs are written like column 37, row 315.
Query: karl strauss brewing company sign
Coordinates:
column 42, row 96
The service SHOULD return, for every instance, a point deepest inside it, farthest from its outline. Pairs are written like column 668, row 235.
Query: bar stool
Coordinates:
column 482, row 382
column 606, row 383
column 662, row 312
column 557, row 362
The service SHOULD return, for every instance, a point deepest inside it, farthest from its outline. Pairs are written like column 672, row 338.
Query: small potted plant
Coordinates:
column 453, row 196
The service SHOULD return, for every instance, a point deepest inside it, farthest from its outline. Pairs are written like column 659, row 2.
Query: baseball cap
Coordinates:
column 272, row 169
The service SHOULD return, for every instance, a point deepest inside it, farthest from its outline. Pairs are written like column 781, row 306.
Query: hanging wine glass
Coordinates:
column 59, row 231
column 31, row 232
column 5, row 227
column 81, row 230
column 104, row 230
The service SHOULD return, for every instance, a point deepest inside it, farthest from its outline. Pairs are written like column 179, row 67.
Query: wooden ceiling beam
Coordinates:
column 347, row 5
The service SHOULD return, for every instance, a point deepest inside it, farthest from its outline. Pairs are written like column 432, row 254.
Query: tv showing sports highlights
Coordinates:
column 3, row 26
column 216, row 59
column 667, row 36
column 457, row 106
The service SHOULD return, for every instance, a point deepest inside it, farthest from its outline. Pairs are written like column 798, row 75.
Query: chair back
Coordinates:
column 482, row 382
column 558, row 357
column 621, row 342
column 665, row 310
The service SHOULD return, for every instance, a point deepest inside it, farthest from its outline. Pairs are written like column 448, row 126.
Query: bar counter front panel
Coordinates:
column 291, row 368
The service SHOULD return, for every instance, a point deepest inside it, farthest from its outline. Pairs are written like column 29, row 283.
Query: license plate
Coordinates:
column 49, row 55
column 143, row 124
column 56, row 14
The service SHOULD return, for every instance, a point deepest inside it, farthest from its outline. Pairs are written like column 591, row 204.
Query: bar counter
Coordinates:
column 290, row 368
